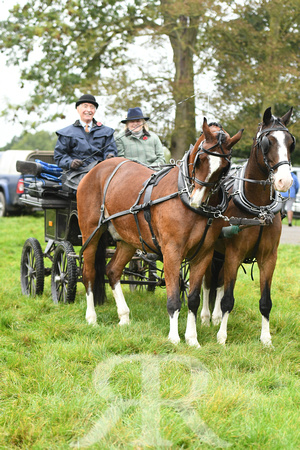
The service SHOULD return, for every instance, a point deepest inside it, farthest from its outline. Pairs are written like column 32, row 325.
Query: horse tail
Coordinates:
column 99, row 290
column 215, row 282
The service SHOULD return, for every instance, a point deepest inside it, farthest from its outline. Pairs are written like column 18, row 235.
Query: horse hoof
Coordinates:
column 221, row 339
column 193, row 342
column 205, row 321
column 91, row 319
column 174, row 340
column 216, row 320
column 267, row 343
column 124, row 320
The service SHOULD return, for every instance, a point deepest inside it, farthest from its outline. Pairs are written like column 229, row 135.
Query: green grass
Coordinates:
column 53, row 367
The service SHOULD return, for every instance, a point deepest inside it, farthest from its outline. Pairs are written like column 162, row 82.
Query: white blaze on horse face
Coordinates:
column 282, row 177
column 198, row 192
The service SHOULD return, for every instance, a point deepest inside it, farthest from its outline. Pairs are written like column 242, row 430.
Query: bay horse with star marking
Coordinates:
column 173, row 212
column 253, row 197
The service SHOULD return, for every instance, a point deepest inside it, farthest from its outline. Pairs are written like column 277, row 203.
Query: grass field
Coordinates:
column 65, row 384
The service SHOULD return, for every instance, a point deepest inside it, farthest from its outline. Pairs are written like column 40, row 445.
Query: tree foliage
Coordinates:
column 256, row 55
column 42, row 140
column 68, row 47
column 84, row 47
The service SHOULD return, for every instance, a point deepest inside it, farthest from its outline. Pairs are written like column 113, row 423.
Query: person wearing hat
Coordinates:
column 137, row 142
column 290, row 195
column 84, row 144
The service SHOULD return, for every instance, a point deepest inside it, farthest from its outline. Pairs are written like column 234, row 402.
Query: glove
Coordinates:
column 76, row 163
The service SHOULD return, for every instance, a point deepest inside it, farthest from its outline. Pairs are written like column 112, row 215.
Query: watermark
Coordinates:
column 150, row 401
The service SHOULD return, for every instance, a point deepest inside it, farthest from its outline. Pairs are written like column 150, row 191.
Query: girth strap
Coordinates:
column 147, row 201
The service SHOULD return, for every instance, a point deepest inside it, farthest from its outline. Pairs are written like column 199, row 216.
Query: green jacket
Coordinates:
column 147, row 149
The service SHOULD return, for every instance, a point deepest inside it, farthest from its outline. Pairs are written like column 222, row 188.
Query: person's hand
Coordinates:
column 76, row 163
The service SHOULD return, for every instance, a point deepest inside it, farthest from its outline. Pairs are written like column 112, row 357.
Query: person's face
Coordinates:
column 86, row 112
column 135, row 125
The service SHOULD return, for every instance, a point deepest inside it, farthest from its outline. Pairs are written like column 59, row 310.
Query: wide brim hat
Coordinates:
column 87, row 98
column 134, row 114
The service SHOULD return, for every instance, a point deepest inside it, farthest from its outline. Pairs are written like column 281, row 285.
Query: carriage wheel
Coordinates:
column 63, row 274
column 152, row 275
column 135, row 266
column 142, row 272
column 184, row 280
column 32, row 268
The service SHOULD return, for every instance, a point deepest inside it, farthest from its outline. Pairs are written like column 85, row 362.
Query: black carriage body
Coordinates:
column 61, row 224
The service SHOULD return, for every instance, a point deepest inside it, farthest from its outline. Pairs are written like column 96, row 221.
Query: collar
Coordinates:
column 84, row 124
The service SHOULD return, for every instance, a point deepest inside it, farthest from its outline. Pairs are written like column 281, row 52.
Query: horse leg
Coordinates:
column 196, row 274
column 114, row 270
column 227, row 304
column 191, row 326
column 217, row 312
column 172, row 269
column 213, row 290
column 265, row 305
column 205, row 312
column 266, row 267
column 89, row 275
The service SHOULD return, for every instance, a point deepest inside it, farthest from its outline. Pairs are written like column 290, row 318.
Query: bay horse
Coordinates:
column 252, row 198
column 171, row 213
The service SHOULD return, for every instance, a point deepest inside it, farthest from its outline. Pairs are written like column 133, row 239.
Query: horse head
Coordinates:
column 209, row 160
column 273, row 145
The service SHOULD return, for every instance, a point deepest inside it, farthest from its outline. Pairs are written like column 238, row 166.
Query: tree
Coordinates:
column 42, row 140
column 256, row 56
column 78, row 43
column 81, row 47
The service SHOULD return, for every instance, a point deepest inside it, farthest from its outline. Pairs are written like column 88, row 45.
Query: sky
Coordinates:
column 11, row 92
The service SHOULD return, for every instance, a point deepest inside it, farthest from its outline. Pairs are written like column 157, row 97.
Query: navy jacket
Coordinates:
column 74, row 143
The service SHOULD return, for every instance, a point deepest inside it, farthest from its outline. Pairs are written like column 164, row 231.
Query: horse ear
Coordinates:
column 235, row 138
column 206, row 130
column 286, row 118
column 267, row 116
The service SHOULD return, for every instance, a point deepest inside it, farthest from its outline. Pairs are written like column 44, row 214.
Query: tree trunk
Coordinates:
column 184, row 132
column 182, row 32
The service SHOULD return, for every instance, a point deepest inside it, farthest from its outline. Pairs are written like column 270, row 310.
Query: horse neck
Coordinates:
column 256, row 170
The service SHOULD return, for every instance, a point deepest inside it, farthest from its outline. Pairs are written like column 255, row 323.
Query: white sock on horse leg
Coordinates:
column 191, row 330
column 90, row 315
column 173, row 334
column 122, row 308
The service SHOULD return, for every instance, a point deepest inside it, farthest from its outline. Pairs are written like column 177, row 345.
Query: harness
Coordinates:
column 184, row 187
column 240, row 200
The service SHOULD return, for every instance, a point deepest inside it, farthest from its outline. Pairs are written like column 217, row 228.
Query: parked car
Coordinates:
column 11, row 181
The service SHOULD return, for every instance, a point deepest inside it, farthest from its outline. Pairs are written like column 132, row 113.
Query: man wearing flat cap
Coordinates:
column 84, row 144
column 136, row 142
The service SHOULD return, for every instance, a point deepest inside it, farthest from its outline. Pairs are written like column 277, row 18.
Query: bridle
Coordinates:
column 263, row 143
column 201, row 151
